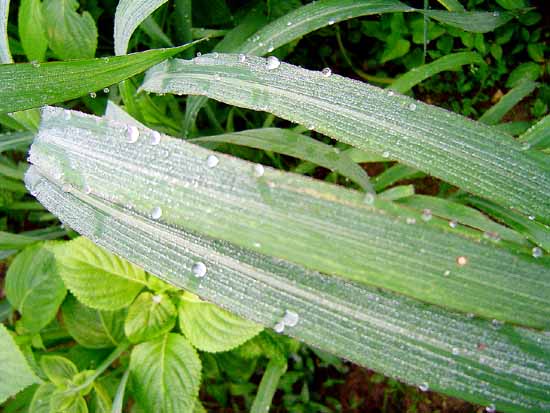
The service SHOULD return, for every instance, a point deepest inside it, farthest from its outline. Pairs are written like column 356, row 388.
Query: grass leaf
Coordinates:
column 5, row 55
column 538, row 136
column 507, row 102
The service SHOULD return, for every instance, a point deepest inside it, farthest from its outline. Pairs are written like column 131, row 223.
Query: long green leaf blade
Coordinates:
column 454, row 354
column 471, row 21
column 317, row 225
column 477, row 158
column 507, row 102
column 538, row 135
column 5, row 55
column 28, row 85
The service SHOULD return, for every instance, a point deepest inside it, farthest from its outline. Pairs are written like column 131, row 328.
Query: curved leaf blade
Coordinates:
column 507, row 102
column 477, row 158
column 5, row 55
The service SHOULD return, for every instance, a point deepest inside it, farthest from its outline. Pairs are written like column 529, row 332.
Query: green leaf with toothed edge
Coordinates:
column 392, row 334
column 28, row 85
column 470, row 155
column 287, row 216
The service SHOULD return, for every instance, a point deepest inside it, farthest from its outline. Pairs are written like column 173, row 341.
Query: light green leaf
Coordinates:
column 394, row 49
column 59, row 370
column 448, row 62
column 524, row 72
column 150, row 316
column 211, row 328
column 471, row 21
column 41, row 400
column 27, row 86
column 538, row 136
column 183, row 21
column 452, row 5
column 96, row 277
column 385, row 331
column 5, row 55
column 165, row 374
column 32, row 30
column 296, row 145
column 101, row 400
column 393, row 174
column 34, row 287
column 93, row 328
column 70, row 35
column 507, row 102
column 129, row 15
column 61, row 401
column 15, row 141
column 15, row 372
column 477, row 158
column 268, row 386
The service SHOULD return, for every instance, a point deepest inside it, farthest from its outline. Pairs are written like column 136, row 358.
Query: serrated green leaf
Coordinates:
column 41, row 399
column 61, row 401
column 96, row 277
column 454, row 354
column 93, row 328
column 28, row 86
column 5, row 55
column 211, row 328
column 32, row 30
column 59, row 370
column 129, row 15
column 149, row 316
column 477, row 158
column 507, row 102
column 165, row 374
column 296, row 145
column 449, row 62
column 15, row 372
column 70, row 35
column 34, row 287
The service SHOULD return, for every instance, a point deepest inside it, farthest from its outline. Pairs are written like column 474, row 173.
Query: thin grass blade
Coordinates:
column 538, row 136
column 5, row 55
column 507, row 102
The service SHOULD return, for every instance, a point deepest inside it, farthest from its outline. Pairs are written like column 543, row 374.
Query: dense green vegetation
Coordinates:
column 214, row 274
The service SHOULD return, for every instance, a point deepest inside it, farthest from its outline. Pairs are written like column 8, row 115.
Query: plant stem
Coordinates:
column 275, row 369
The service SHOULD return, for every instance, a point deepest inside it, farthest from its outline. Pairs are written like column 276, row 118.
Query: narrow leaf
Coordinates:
column 211, row 328
column 507, row 102
column 538, row 136
column 15, row 141
column 475, row 157
column 452, row 5
column 449, row 62
column 27, row 86
column 296, row 145
column 5, row 55
column 268, row 386
column 165, row 374
column 392, row 334
column 32, row 30
column 96, row 277
column 129, row 15
column 15, row 372
column 471, row 21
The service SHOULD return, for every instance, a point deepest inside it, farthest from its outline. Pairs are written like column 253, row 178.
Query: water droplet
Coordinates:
column 215, row 55
column 272, row 63
column 290, row 318
column 212, row 161
column 411, row 221
column 157, row 299
column 536, row 252
column 106, row 59
column 426, row 215
column 461, row 261
column 525, row 146
column 199, row 54
column 242, row 58
column 331, row 22
column 86, row 189
column 496, row 323
column 412, row 106
column 93, row 95
column 199, row 269
column 155, row 138
column 133, row 134
column 385, row 154
column 326, row 72
column 261, row 44
column 447, row 273
column 34, row 63
column 496, row 14
column 311, row 127
column 369, row 198
column 67, row 115
column 279, row 327
column 156, row 213
column 424, row 387
column 531, row 217
column 391, row 93
column 453, row 223
column 257, row 245
column 289, row 23
column 271, row 48
column 106, row 90
column 456, row 351
column 491, row 408
column 258, row 170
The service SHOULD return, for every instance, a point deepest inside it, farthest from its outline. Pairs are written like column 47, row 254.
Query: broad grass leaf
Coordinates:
column 93, row 328
column 150, row 316
column 211, row 328
column 96, row 277
column 15, row 372
column 165, row 374
column 34, row 287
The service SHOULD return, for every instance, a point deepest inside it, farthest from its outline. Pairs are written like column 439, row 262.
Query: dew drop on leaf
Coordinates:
column 369, row 199
column 410, row 221
column 156, row 213
column 412, row 106
column 242, row 58
column 290, row 318
column 199, row 269
column 326, row 72
column 272, row 63
column 34, row 63
column 385, row 154
column 212, row 161
column 426, row 215
column 155, row 138
column 424, row 387
column 106, row 90
column 157, row 298
column 461, row 261
column 536, row 252
column 491, row 408
column 259, row 170
column 93, row 95
column 133, row 134
column 447, row 273
column 279, row 327
column 331, row 22
column 453, row 223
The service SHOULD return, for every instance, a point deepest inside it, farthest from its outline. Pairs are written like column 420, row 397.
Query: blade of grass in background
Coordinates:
column 5, row 55
column 31, row 85
column 393, row 174
column 478, row 158
column 471, row 21
column 129, row 15
column 15, row 141
column 296, row 145
column 268, row 385
column 423, row 345
column 507, row 102
column 450, row 62
column 538, row 136
column 183, row 15
column 452, row 5
column 317, row 225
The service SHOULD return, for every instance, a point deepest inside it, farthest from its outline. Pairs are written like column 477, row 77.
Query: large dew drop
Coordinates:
column 259, row 170
column 272, row 63
column 326, row 72
column 155, row 138
column 133, row 134
column 199, row 269
column 290, row 318
column 156, row 213
column 212, row 161
column 424, row 387
column 491, row 408
column 279, row 327
column 461, row 261
column 157, row 299
column 536, row 252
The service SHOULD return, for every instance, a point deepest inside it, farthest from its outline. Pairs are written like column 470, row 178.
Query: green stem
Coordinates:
column 270, row 380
